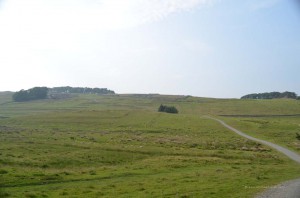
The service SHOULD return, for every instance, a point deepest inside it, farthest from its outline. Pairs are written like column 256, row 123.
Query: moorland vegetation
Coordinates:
column 92, row 145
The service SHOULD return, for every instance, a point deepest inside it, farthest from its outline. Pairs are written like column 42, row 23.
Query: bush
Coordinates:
column 3, row 171
column 167, row 109
column 4, row 194
column 298, row 136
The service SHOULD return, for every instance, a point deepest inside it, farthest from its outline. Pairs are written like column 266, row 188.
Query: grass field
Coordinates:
column 120, row 146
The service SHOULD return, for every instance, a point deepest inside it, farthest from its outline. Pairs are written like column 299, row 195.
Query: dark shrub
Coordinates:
column 167, row 109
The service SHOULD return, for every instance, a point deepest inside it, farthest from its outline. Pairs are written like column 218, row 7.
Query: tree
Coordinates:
column 161, row 108
column 20, row 96
column 38, row 93
column 35, row 93
column 288, row 94
column 171, row 110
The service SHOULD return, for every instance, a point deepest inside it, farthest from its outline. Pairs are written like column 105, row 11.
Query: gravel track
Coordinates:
column 289, row 189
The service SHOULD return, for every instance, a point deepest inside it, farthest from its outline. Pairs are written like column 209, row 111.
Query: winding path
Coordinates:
column 289, row 189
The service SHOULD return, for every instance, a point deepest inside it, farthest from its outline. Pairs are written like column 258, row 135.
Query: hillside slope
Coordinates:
column 121, row 146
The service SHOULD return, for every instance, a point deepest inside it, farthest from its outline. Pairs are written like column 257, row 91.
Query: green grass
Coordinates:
column 120, row 146
column 185, row 105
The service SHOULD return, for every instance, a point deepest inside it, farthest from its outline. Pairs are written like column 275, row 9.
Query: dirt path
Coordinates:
column 289, row 189
column 294, row 156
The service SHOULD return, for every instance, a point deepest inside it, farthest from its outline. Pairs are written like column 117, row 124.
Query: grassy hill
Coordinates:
column 120, row 146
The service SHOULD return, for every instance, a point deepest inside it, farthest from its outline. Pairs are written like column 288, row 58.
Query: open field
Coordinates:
column 119, row 146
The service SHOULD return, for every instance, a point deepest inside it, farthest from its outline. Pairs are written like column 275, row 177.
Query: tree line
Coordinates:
column 38, row 93
column 271, row 95
column 84, row 90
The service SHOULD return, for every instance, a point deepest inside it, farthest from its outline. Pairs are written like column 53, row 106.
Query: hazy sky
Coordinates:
column 214, row 48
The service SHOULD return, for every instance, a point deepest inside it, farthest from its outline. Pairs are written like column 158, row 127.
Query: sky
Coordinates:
column 206, row 48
